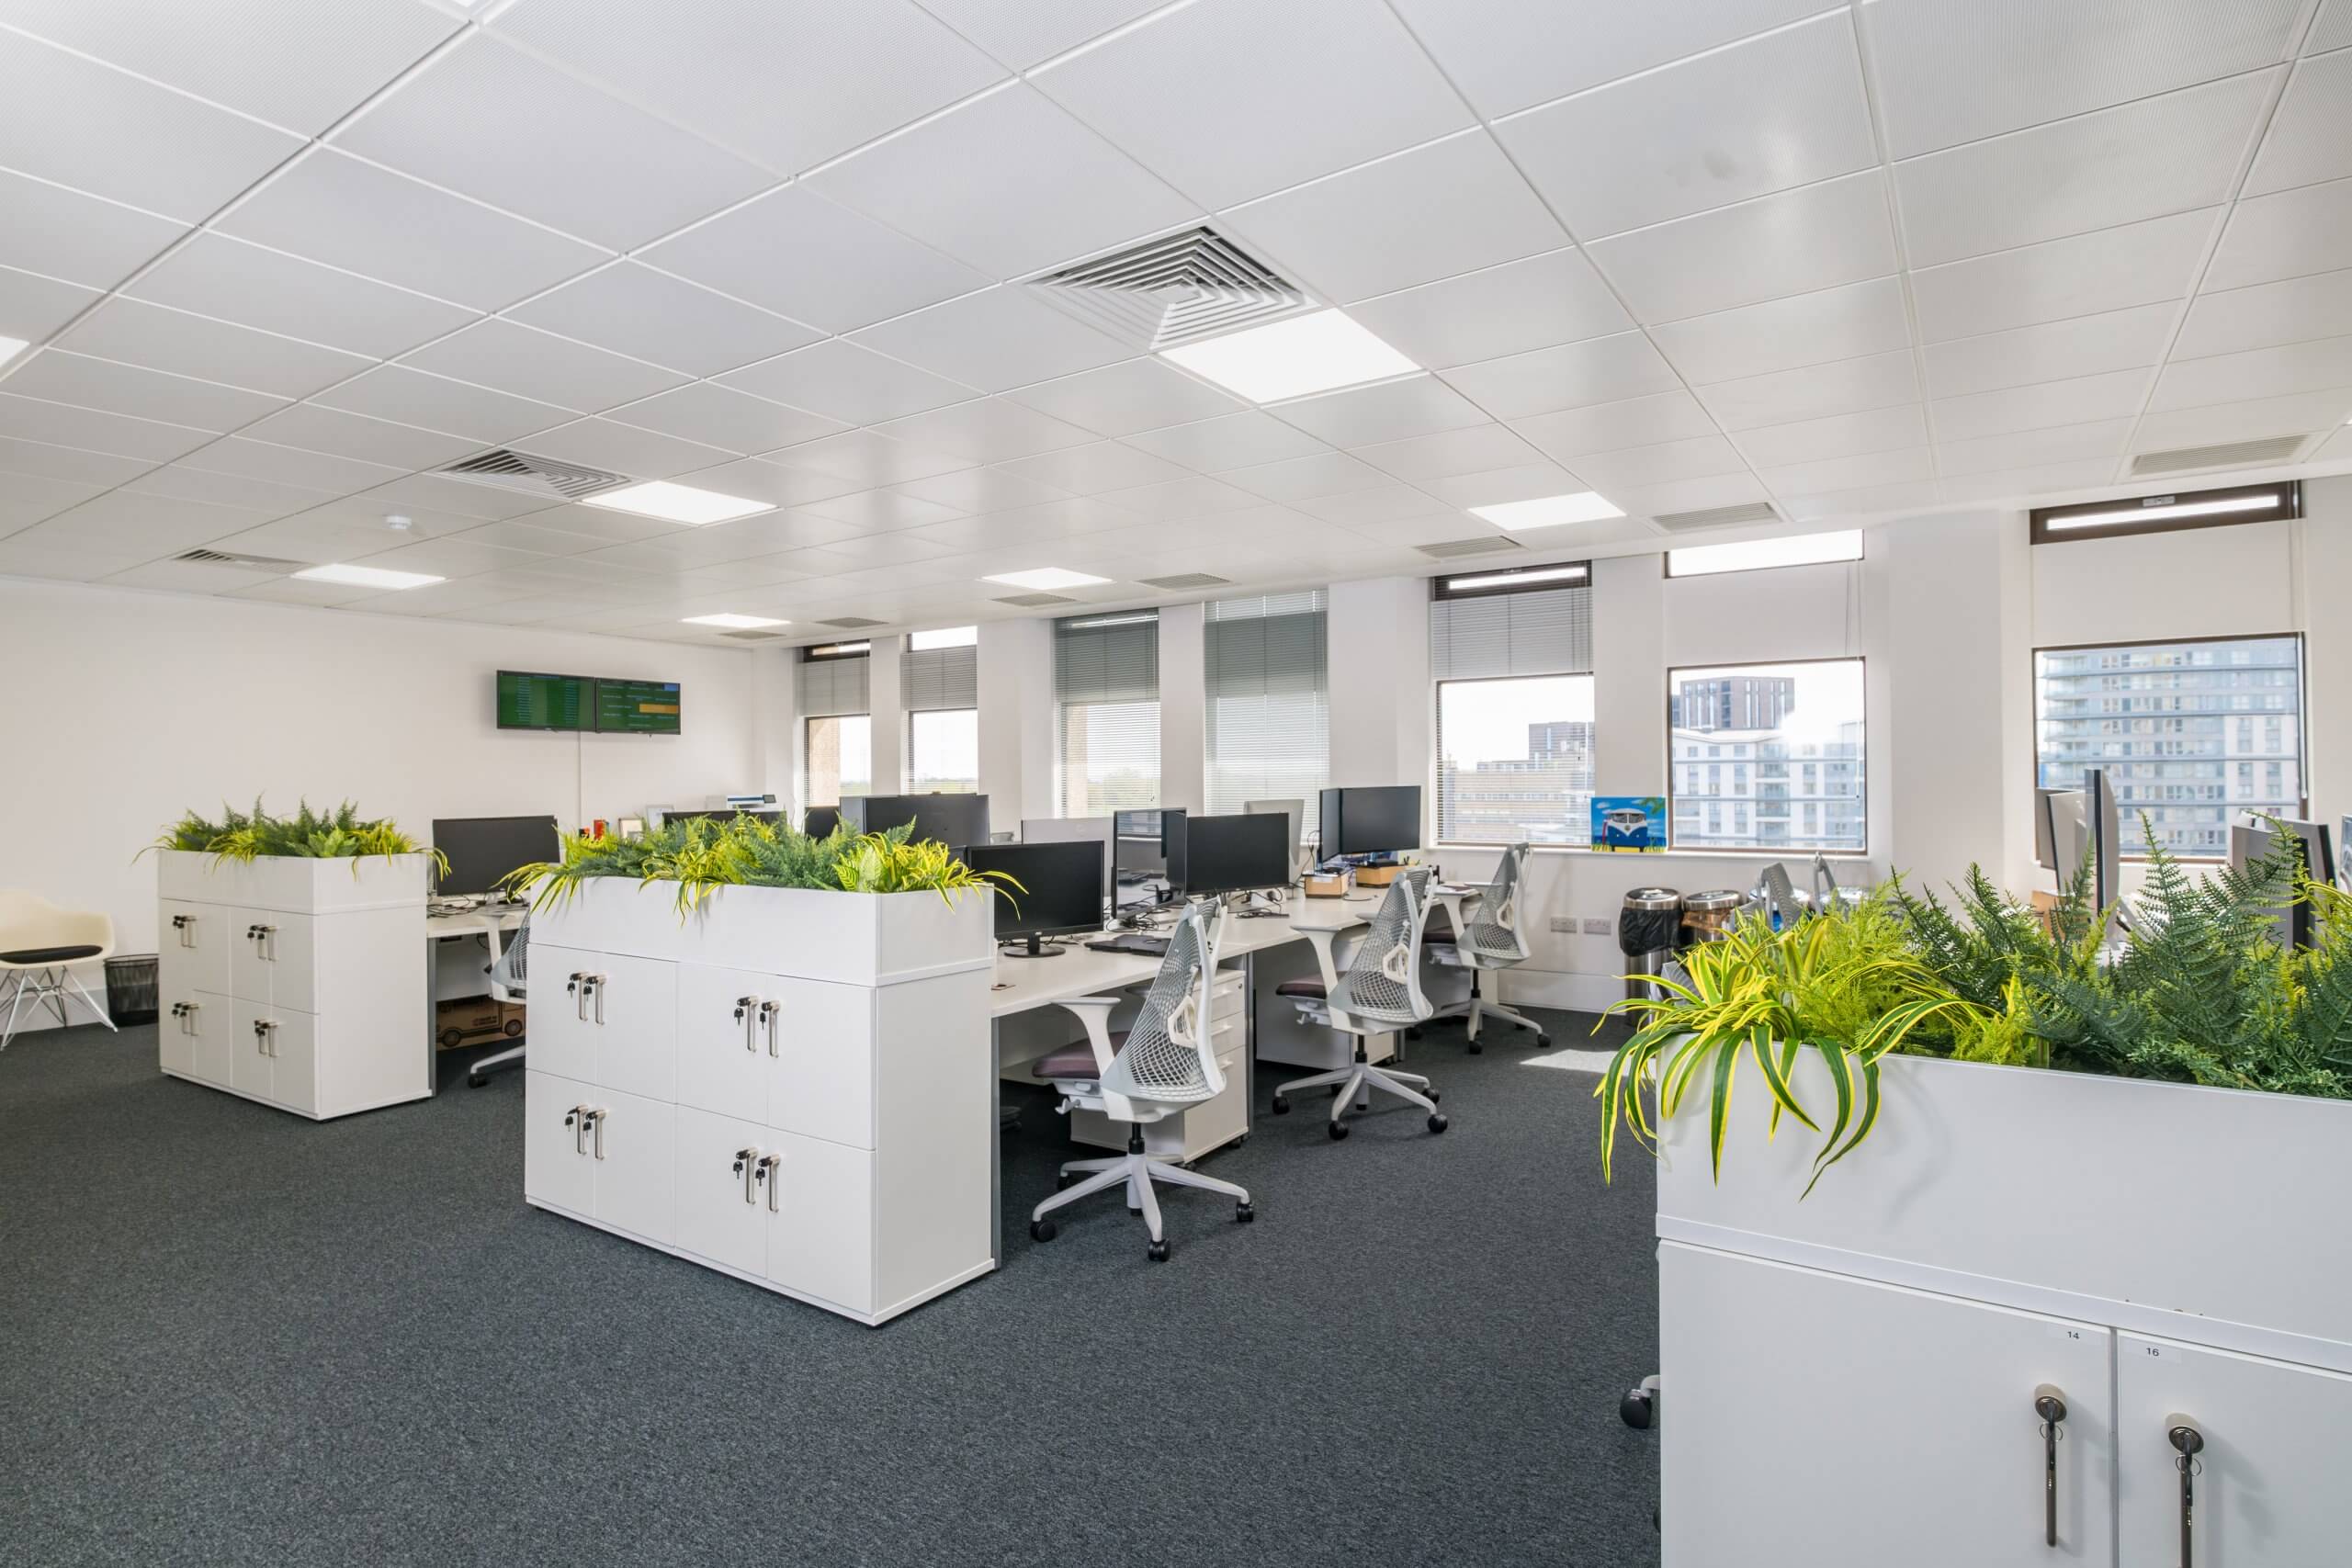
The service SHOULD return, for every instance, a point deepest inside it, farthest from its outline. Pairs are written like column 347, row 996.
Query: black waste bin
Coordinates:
column 130, row 989
column 1647, row 929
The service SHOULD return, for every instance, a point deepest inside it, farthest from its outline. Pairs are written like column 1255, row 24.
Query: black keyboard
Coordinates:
column 1131, row 942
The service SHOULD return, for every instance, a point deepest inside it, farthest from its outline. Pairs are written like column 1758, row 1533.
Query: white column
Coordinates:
column 1016, row 679
column 1183, row 703
column 2323, row 570
column 1379, row 644
column 889, row 726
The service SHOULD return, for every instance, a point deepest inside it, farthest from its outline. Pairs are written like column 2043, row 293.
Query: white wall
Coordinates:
column 134, row 707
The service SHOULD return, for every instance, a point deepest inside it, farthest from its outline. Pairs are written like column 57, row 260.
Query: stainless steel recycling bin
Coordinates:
column 1646, row 930
column 1706, row 916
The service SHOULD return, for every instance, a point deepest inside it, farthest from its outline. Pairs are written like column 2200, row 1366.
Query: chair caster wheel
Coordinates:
column 475, row 1080
column 1437, row 1122
column 1338, row 1129
column 1635, row 1411
column 1542, row 1042
column 1243, row 1214
column 1432, row 1092
column 1412, row 1034
column 1043, row 1230
column 1281, row 1106
column 1157, row 1252
column 1476, row 1049
column 1333, row 1092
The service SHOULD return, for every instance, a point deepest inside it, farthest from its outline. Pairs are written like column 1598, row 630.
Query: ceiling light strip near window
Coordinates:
column 2166, row 513
column 1760, row 555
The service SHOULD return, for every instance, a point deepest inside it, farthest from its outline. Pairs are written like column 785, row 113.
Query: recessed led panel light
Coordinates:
column 1755, row 554
column 1293, row 358
column 732, row 622
column 679, row 504
column 1548, row 511
column 2158, row 514
column 1047, row 578
column 10, row 347
column 1518, row 578
column 366, row 576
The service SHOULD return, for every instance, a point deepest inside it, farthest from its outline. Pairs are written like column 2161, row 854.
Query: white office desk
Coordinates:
column 478, row 921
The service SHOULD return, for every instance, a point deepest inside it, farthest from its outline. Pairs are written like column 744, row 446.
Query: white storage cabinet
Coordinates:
column 295, row 983
column 1851, row 1379
column 791, row 1087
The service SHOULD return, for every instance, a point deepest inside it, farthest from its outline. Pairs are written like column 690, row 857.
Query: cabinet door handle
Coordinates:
column 743, row 1158
column 596, row 988
column 575, row 988
column 769, row 1012
column 596, row 1125
column 772, row 1172
column 2051, row 1405
column 743, row 1006
column 2186, row 1442
column 576, row 1120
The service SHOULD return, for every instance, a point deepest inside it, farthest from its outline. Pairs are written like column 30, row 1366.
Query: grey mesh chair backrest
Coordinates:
column 1383, row 982
column 1168, row 1057
column 507, row 975
column 1493, row 931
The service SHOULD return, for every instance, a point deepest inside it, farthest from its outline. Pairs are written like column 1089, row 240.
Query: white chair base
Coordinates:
column 479, row 1074
column 1476, row 1007
column 1137, row 1172
column 1356, row 1081
column 49, row 987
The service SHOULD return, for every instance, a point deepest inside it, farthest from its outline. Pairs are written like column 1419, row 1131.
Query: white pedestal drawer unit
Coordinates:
column 1869, row 1376
column 791, row 1087
column 297, row 983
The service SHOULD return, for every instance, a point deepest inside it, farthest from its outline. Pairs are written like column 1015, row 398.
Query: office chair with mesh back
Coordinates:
column 1159, row 1064
column 1380, row 994
column 1491, row 939
column 508, row 971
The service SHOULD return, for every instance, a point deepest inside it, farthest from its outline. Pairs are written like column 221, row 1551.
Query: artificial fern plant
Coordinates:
column 340, row 834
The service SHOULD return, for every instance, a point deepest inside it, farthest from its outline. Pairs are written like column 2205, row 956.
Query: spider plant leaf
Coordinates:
column 1727, row 1057
column 1775, row 1062
column 1863, row 1124
column 1841, row 1077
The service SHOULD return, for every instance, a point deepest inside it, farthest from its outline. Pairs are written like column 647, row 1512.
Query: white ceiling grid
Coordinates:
column 278, row 261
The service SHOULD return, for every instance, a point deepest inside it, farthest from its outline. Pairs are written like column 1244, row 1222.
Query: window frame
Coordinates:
column 913, row 777
column 1432, row 793
column 1781, row 851
column 809, row 748
column 2303, row 706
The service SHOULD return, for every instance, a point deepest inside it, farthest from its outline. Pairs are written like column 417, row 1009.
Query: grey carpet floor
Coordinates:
column 230, row 1337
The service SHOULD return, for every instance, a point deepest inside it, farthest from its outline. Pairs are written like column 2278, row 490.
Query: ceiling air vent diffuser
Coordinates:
column 1184, row 581
column 1718, row 516
column 1035, row 601
column 224, row 557
column 752, row 637
column 2231, row 455
column 1173, row 289
column 1454, row 549
column 849, row 623
column 534, row 476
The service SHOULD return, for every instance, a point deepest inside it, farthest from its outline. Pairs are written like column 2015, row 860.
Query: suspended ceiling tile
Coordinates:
column 844, row 381
column 302, row 67
column 408, row 396
column 1509, row 54
column 1952, row 73
column 1133, row 395
column 1008, row 182
column 2290, row 310
column 509, row 357
column 26, row 499
column 2119, row 165
column 1280, row 113
column 1635, row 422
column 63, row 424
column 661, row 320
column 215, row 275
column 1471, row 449
column 1793, row 242
column 2289, row 234
column 1390, row 411
column 986, row 430
column 625, row 448
column 1435, row 211
column 1777, row 112
column 1022, row 36
column 1302, row 479
column 1838, row 435
column 97, row 130
column 972, row 491
column 996, row 340
column 2137, row 264
column 795, row 253
column 1697, row 458
column 1232, row 441
column 159, row 338
column 143, row 394
column 1848, row 321
column 870, row 457
column 2030, row 448
column 1813, row 392
column 486, row 120
column 33, row 307
column 332, row 208
column 1576, row 375
column 1829, row 475
column 280, row 464
column 2256, row 373
column 1495, row 487
column 755, row 479
column 67, row 234
column 2082, row 345
column 267, row 498
column 788, row 85
column 44, row 460
column 1496, row 311
column 2116, row 394
column 344, row 434
column 2013, row 484
column 2311, row 135
column 719, row 416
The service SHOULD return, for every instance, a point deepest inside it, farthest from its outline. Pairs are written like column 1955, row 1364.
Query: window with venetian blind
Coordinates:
column 1268, row 696
column 1106, row 713
column 1510, row 654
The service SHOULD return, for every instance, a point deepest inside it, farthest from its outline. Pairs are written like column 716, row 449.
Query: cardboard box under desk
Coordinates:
column 470, row 1021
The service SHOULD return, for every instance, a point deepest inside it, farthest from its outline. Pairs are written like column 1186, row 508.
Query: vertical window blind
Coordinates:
column 1106, row 713
column 1268, row 696
column 1514, row 716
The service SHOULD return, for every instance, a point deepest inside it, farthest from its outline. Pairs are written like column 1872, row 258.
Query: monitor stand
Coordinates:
column 1032, row 948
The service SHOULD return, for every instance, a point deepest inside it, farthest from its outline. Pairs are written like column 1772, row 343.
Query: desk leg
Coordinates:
column 996, row 1142
column 432, row 1051
column 1249, row 1044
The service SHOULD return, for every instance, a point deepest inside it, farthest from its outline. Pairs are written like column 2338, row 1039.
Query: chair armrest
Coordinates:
column 1094, row 1012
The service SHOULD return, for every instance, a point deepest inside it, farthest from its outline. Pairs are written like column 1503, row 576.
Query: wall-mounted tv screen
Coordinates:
column 637, row 707
column 527, row 701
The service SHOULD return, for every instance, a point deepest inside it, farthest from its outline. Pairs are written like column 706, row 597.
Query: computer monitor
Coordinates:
column 1236, row 854
column 2061, row 831
column 1136, row 845
column 820, row 822
column 2252, row 836
column 1295, row 810
column 1060, row 892
column 1098, row 830
column 1173, row 829
column 484, row 850
column 1373, row 820
column 2101, row 816
column 956, row 820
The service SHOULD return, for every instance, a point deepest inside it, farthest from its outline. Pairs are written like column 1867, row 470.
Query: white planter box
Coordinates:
column 2212, row 1215
column 292, row 884
column 858, row 938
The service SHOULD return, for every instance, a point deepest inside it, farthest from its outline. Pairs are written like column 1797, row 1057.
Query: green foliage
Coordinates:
column 2201, row 992
column 704, row 854
column 340, row 834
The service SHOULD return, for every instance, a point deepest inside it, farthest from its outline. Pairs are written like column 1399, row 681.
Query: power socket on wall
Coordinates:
column 1563, row 925
column 1595, row 925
